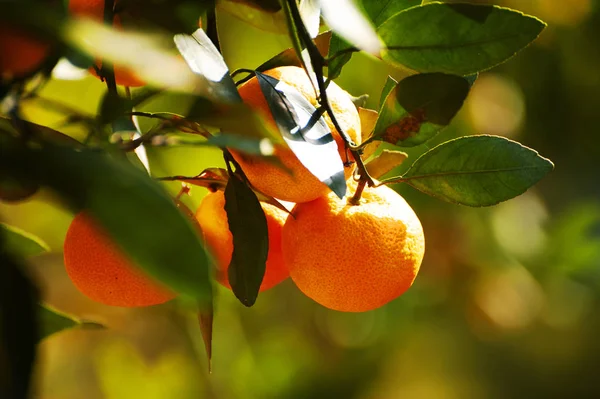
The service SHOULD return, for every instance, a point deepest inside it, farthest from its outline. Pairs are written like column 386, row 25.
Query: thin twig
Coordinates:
column 318, row 62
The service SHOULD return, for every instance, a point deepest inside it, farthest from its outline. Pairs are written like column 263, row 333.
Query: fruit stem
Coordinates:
column 107, row 71
column 318, row 62
column 355, row 200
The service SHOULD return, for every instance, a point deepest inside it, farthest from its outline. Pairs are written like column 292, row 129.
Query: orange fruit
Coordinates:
column 21, row 53
column 102, row 272
column 212, row 218
column 94, row 9
column 354, row 258
column 300, row 185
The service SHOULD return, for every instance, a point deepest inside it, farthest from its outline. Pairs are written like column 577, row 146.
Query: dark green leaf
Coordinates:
column 18, row 327
column 419, row 107
column 7, row 127
column 13, row 190
column 337, row 61
column 248, row 226
column 204, row 59
column 477, row 170
column 132, row 208
column 458, row 39
column 21, row 243
column 52, row 321
column 305, row 131
column 380, row 10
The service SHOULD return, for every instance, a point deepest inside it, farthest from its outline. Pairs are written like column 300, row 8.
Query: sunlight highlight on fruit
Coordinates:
column 354, row 258
column 300, row 185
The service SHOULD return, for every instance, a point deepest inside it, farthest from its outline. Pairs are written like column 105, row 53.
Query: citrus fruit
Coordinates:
column 299, row 184
column 20, row 52
column 102, row 272
column 213, row 220
column 354, row 258
column 94, row 9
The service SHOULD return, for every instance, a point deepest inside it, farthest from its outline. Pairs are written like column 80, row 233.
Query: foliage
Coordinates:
column 443, row 46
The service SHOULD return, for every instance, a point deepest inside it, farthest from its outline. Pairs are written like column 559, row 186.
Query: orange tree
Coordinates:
column 287, row 131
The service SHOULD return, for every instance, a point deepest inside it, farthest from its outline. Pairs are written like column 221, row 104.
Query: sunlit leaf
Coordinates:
column 418, row 107
column 456, row 38
column 368, row 119
column 204, row 59
column 346, row 20
column 272, row 21
column 312, row 143
column 476, row 170
column 248, row 226
column 390, row 83
column 385, row 162
column 22, row 243
column 150, row 57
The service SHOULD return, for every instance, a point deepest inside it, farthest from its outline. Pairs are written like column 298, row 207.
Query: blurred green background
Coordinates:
column 506, row 304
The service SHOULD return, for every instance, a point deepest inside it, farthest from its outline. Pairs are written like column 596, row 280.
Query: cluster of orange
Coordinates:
column 346, row 257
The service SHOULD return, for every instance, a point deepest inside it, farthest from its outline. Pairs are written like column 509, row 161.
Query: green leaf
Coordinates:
column 52, row 321
column 205, row 320
column 233, row 118
column 418, row 107
column 18, row 327
column 128, row 204
column 248, row 226
column 305, row 131
column 346, row 20
column 337, row 61
column 205, row 60
column 381, row 10
column 476, row 170
column 13, row 190
column 390, row 83
column 458, row 39
column 21, row 243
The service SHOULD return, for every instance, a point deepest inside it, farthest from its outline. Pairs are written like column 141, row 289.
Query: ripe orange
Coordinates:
column 300, row 185
column 94, row 9
column 102, row 272
column 213, row 220
column 354, row 258
column 20, row 52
